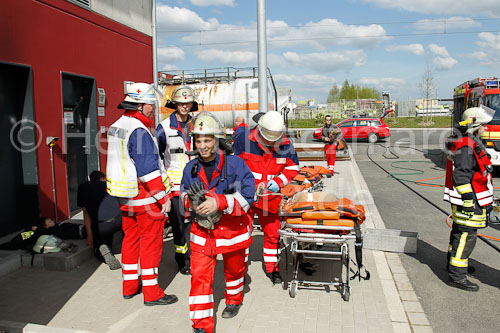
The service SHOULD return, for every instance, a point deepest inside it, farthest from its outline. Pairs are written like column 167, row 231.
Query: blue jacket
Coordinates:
column 233, row 190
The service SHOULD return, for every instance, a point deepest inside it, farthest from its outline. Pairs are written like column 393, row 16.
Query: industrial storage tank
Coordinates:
column 227, row 92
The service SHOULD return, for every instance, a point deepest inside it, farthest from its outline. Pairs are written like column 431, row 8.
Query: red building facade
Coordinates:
column 55, row 59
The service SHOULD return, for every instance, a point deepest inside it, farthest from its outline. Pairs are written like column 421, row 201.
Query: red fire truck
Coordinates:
column 481, row 91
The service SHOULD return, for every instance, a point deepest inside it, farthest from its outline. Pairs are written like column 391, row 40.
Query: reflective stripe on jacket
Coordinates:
column 173, row 144
column 232, row 232
column 279, row 163
column 137, row 183
column 470, row 171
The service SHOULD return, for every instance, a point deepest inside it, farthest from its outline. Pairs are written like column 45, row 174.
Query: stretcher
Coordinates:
column 321, row 230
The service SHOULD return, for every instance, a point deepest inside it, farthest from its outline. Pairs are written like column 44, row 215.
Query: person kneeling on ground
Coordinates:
column 219, row 189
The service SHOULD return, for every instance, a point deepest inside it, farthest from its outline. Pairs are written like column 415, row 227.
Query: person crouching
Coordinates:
column 219, row 190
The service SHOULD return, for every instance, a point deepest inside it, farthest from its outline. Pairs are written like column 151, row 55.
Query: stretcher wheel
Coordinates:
column 346, row 292
column 292, row 289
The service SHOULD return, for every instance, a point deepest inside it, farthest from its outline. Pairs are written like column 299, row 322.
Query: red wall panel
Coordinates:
column 55, row 36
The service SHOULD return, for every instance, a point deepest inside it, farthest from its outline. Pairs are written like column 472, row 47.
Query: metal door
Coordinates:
column 80, row 124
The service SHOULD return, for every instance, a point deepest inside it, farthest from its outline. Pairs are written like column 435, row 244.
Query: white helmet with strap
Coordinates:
column 206, row 123
column 271, row 126
column 182, row 94
column 140, row 93
column 475, row 117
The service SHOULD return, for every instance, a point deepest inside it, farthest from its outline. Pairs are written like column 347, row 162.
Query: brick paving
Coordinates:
column 89, row 297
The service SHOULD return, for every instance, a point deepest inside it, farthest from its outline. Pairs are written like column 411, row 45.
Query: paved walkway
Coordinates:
column 89, row 297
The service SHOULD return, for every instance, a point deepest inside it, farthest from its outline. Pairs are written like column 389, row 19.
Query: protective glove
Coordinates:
column 468, row 206
column 273, row 186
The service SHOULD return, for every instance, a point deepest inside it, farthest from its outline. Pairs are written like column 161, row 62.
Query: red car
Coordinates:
column 371, row 129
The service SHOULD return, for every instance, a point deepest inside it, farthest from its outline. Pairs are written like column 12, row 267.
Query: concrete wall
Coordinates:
column 136, row 14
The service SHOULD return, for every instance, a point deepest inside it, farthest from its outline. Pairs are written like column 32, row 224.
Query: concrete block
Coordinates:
column 27, row 259
column 65, row 261
column 9, row 261
column 390, row 240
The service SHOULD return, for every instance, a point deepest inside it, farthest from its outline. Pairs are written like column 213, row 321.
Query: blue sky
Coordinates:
column 313, row 45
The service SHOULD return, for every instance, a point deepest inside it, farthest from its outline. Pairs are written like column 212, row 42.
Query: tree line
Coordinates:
column 352, row 91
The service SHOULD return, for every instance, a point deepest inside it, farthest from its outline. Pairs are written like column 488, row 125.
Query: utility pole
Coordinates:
column 262, row 54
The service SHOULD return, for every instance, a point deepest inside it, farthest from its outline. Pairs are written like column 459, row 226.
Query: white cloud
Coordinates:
column 169, row 67
column 326, row 61
column 312, row 80
column 227, row 57
column 416, row 49
column 441, row 57
column 316, row 35
column 204, row 3
column 181, row 19
column 488, row 49
column 382, row 82
column 445, row 24
column 170, row 54
column 488, row 7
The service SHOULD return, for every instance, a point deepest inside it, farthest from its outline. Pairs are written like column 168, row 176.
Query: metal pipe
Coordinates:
column 155, row 63
column 53, row 182
column 262, row 54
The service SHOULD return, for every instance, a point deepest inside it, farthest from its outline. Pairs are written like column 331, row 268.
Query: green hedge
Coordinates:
column 407, row 122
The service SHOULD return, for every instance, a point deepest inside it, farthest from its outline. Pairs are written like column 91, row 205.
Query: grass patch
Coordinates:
column 409, row 122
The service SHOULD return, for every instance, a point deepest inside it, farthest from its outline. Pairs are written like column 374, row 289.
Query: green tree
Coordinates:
column 333, row 94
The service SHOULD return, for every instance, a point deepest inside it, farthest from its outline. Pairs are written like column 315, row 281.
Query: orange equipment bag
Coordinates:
column 307, row 176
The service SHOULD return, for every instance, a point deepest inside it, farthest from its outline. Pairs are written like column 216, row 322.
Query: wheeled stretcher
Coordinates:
column 321, row 230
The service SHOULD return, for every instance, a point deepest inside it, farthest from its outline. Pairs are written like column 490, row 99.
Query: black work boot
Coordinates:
column 186, row 270
column 275, row 277
column 109, row 257
column 231, row 310
column 199, row 330
column 165, row 300
column 464, row 284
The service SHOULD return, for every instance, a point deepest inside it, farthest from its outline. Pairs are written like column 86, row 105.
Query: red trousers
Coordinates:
column 270, row 224
column 201, row 299
column 330, row 153
column 143, row 239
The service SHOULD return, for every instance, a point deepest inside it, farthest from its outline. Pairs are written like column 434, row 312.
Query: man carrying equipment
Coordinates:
column 136, row 176
column 329, row 135
column 469, row 189
column 219, row 190
column 174, row 141
column 273, row 161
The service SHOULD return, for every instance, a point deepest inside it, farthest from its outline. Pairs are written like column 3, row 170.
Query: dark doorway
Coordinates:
column 80, row 122
column 20, row 206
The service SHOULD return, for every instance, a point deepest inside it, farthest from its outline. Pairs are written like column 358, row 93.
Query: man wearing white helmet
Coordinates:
column 219, row 189
column 174, row 141
column 136, row 176
column 469, row 189
column 271, row 157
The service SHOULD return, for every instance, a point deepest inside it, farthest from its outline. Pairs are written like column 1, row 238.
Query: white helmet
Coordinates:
column 271, row 126
column 206, row 123
column 143, row 93
column 476, row 116
column 47, row 243
column 182, row 94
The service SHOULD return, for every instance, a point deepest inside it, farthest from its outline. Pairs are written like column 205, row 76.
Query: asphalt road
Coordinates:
column 414, row 155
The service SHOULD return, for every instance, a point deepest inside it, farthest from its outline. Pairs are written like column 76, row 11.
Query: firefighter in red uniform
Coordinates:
column 136, row 176
column 271, row 157
column 329, row 135
column 469, row 190
column 219, row 189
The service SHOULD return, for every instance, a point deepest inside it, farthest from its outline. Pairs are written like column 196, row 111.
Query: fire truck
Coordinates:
column 481, row 91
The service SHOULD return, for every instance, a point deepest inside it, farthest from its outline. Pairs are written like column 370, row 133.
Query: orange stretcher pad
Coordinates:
column 340, row 212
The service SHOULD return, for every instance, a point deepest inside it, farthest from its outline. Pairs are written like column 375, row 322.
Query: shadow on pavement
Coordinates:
column 436, row 260
column 31, row 295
